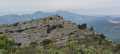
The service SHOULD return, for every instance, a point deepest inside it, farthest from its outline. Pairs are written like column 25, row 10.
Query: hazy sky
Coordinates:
column 87, row 7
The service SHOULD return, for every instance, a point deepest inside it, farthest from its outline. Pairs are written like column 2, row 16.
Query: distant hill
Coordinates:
column 111, row 30
column 13, row 18
column 106, row 27
column 117, row 19
column 100, row 24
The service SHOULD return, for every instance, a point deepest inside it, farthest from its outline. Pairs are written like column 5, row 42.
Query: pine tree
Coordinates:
column 91, row 28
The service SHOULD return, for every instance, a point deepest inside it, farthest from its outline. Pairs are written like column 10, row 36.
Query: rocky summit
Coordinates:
column 53, row 27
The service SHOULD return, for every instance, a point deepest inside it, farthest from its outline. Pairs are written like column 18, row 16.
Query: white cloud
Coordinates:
column 91, row 7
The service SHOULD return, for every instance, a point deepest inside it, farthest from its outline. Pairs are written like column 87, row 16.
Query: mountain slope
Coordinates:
column 59, row 32
column 100, row 24
column 52, row 27
column 111, row 30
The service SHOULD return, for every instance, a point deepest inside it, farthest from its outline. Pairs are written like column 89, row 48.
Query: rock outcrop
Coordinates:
column 52, row 27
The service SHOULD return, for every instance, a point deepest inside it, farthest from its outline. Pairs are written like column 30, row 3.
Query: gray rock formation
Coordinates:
column 52, row 27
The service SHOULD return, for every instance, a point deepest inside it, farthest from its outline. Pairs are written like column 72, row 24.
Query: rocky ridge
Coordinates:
column 52, row 27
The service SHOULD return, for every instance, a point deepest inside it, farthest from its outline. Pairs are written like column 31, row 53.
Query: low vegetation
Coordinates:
column 90, row 44
column 73, row 48
column 50, row 28
column 5, row 43
column 50, row 47
column 83, row 26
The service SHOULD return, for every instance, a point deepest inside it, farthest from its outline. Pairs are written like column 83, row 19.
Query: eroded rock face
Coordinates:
column 52, row 27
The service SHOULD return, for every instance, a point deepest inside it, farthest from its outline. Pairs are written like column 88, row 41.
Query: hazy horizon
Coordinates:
column 83, row 7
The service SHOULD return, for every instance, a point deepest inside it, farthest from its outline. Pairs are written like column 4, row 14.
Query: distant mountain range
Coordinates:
column 12, row 18
column 101, row 23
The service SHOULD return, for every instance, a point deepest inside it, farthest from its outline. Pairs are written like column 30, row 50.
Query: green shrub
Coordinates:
column 82, row 26
column 100, row 42
column 5, row 43
column 50, row 28
column 106, row 52
column 46, row 41
column 117, row 48
column 81, row 49
column 91, row 28
column 33, row 44
column 102, row 36
column 2, row 51
column 18, row 44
